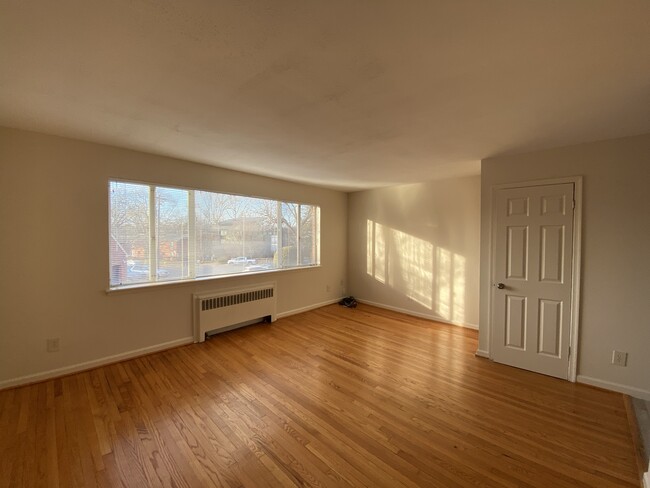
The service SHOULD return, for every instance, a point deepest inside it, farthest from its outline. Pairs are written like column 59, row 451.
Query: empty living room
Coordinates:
column 374, row 244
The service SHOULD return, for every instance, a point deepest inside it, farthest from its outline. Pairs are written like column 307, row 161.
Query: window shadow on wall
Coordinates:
column 430, row 275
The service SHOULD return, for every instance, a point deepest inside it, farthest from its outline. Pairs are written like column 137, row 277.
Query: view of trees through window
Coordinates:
column 167, row 234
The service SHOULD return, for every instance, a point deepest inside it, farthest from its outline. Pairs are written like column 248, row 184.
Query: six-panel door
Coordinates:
column 531, row 299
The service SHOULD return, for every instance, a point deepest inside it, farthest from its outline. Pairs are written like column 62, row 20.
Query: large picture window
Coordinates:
column 170, row 234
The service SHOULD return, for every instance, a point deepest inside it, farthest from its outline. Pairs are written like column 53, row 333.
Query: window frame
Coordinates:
column 192, row 277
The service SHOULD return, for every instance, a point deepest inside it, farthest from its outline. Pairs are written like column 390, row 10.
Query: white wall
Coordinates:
column 615, row 305
column 416, row 248
column 54, row 253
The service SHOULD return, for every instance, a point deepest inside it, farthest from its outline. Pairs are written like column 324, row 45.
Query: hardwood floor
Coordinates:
column 334, row 397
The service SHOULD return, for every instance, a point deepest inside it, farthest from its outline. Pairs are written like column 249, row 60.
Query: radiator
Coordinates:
column 227, row 308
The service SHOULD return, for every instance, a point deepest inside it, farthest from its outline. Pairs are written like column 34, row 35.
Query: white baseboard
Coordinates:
column 307, row 308
column 76, row 368
column 646, row 480
column 482, row 354
column 418, row 314
column 609, row 385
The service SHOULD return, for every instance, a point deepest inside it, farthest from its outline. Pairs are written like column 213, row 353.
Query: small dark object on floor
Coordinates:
column 349, row 302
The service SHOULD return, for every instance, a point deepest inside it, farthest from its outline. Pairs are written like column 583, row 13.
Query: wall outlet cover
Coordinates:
column 619, row 358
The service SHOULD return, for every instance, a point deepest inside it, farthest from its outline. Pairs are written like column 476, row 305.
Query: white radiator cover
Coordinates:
column 223, row 309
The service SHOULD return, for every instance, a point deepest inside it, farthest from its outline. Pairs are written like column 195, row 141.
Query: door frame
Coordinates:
column 575, row 269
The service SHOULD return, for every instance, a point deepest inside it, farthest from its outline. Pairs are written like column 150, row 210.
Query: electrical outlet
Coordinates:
column 619, row 358
column 327, row 288
column 52, row 345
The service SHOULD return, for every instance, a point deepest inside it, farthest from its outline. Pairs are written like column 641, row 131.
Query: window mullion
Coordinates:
column 280, row 250
column 153, row 233
column 191, row 233
column 298, row 225
column 316, row 234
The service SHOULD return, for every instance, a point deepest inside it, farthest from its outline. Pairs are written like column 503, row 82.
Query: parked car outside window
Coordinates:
column 141, row 271
column 241, row 260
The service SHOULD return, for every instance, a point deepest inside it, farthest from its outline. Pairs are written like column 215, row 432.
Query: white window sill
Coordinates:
column 203, row 279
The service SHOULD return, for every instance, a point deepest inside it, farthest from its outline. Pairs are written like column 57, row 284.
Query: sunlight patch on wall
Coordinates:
column 450, row 285
column 380, row 253
column 443, row 283
column 370, row 240
column 458, row 301
column 412, row 265
column 432, row 276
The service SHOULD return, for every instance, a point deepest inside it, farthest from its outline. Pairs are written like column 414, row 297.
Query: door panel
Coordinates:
column 552, row 253
column 533, row 258
column 550, row 327
column 517, row 252
column 554, row 205
column 516, row 322
column 518, row 206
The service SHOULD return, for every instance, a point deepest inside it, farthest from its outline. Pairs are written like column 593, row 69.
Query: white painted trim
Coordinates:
column 95, row 363
column 610, row 385
column 202, row 279
column 577, row 260
column 307, row 308
column 482, row 354
column 418, row 314
column 646, row 479
column 575, row 278
column 76, row 368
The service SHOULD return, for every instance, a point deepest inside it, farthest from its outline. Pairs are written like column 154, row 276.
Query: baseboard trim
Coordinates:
column 482, row 354
column 95, row 363
column 610, row 385
column 296, row 311
column 646, row 480
column 418, row 314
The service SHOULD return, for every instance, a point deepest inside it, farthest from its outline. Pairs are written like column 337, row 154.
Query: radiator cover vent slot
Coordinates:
column 236, row 299
column 226, row 309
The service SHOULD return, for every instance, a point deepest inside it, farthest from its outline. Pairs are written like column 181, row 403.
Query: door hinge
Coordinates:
column 574, row 204
column 569, row 352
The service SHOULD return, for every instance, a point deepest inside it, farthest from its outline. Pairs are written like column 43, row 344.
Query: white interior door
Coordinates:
column 531, row 296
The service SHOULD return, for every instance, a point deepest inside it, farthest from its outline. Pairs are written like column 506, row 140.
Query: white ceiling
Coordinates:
column 348, row 94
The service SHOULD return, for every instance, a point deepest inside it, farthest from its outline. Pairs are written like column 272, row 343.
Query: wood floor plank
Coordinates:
column 334, row 397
